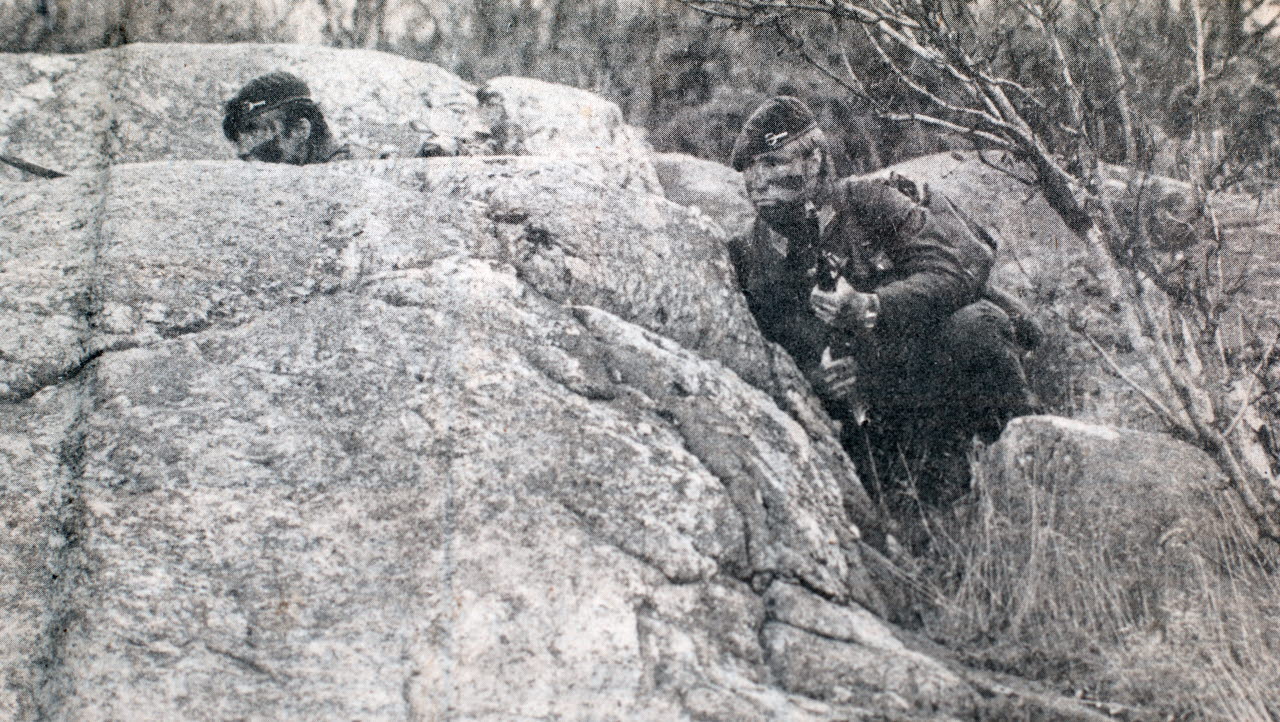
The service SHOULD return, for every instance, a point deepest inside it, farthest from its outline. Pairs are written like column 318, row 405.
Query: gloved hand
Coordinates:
column 844, row 307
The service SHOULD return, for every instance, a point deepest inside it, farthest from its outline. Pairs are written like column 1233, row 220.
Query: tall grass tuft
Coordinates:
column 1185, row 625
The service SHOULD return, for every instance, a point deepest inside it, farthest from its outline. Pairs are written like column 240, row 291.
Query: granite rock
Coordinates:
column 324, row 442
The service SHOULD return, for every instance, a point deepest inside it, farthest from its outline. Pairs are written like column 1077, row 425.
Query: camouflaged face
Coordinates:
column 261, row 95
column 782, row 184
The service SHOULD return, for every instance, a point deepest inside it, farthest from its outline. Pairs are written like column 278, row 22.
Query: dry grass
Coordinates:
column 1187, row 630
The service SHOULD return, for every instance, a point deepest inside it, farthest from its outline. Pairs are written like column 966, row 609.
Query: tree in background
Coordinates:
column 692, row 84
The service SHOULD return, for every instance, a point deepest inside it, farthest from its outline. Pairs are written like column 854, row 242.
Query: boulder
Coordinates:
column 1135, row 524
column 1120, row 556
column 325, row 442
column 533, row 117
column 713, row 188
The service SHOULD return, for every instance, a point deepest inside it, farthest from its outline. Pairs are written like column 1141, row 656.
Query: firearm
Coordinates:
column 843, row 385
column 31, row 168
column 842, row 359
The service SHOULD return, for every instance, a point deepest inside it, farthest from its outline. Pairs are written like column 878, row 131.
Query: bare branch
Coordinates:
column 711, row 8
column 953, row 127
column 844, row 58
column 1119, row 81
column 982, row 157
column 907, row 80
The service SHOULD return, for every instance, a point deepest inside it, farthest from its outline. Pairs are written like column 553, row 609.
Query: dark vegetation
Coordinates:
column 1074, row 89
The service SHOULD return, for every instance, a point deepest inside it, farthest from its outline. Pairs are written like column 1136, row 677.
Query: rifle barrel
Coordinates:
column 31, row 168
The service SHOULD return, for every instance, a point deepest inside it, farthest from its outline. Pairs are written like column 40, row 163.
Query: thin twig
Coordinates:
column 954, row 127
column 1161, row 410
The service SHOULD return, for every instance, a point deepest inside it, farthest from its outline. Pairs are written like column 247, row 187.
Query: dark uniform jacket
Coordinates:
column 923, row 263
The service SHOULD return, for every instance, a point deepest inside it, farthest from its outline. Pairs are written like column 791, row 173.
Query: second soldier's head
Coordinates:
column 274, row 120
column 785, row 160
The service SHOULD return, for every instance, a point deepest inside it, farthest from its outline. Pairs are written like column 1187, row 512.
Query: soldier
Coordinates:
column 274, row 120
column 879, row 299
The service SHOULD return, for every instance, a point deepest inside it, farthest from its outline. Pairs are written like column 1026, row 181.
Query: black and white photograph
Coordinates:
column 596, row 360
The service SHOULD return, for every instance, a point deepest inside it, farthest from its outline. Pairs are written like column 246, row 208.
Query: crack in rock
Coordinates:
column 244, row 662
column 67, row 567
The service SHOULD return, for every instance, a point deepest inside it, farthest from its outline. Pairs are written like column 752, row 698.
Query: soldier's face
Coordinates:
column 267, row 139
column 779, row 183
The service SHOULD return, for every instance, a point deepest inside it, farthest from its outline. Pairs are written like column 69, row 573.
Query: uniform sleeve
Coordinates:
column 883, row 211
column 939, row 271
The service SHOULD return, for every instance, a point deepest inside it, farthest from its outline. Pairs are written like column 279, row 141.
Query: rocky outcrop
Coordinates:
column 580, row 240
column 409, row 439
column 345, row 446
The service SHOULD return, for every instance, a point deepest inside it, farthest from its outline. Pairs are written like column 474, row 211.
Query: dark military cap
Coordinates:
column 777, row 122
column 263, row 93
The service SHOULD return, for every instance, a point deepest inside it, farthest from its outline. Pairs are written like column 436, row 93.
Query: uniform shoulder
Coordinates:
column 871, row 193
column 881, row 205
